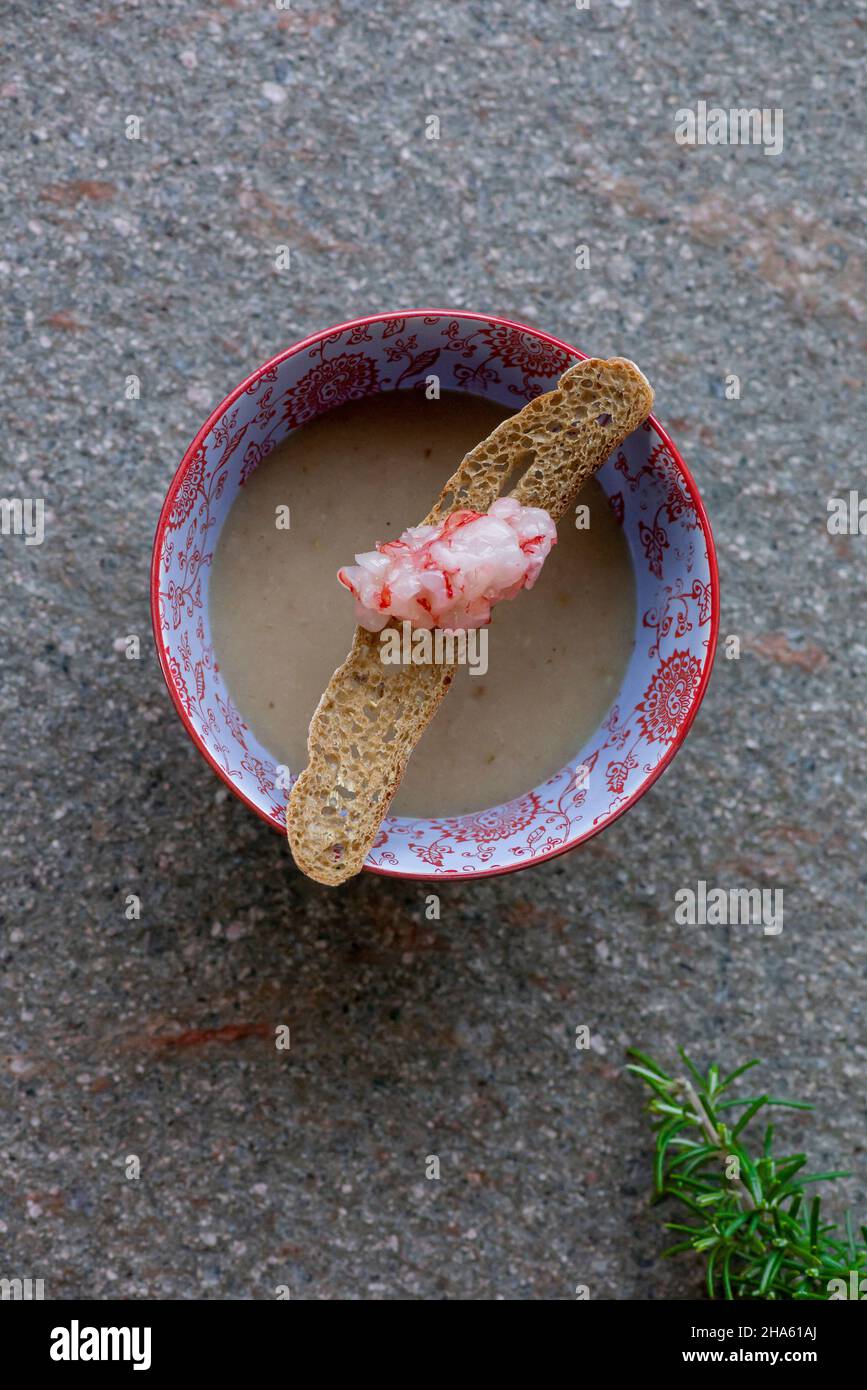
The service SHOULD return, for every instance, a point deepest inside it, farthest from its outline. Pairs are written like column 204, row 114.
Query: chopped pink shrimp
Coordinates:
column 450, row 575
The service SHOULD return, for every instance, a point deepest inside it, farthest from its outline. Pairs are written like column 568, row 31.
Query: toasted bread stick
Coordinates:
column 371, row 715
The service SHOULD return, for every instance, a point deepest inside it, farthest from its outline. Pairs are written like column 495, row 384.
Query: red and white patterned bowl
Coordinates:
column 650, row 491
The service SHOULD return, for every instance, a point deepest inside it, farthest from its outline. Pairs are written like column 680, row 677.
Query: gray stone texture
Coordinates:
column 305, row 126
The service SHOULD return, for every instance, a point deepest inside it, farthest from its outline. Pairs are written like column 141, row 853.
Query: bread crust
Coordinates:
column 371, row 715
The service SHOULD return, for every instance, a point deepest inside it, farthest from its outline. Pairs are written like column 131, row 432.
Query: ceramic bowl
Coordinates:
column 651, row 494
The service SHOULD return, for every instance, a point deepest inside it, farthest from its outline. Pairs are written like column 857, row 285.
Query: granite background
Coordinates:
column 305, row 126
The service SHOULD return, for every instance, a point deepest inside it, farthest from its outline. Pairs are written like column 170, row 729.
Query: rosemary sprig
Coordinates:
column 749, row 1216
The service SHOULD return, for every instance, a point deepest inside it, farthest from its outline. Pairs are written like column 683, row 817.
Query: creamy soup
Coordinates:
column 281, row 623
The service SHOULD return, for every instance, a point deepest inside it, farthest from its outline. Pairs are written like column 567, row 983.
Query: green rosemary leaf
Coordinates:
column 768, row 1146
column 758, row 1104
column 709, row 1110
column 847, row 1223
column 662, row 1141
column 696, row 1074
column 739, row 1071
column 750, row 1175
column 769, row 1100
column 692, row 1158
column 765, row 1170
column 651, row 1080
column 790, row 1167
column 661, row 1082
column 688, row 1202
column 709, row 1242
column 682, row 1180
column 754, row 1232
column 738, row 1221
column 648, row 1062
column 663, row 1107
column 816, row 1177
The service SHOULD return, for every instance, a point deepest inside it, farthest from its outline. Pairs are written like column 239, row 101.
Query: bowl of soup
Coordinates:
column 586, row 685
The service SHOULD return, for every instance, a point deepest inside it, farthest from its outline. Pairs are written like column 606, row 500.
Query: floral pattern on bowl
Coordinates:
column 648, row 487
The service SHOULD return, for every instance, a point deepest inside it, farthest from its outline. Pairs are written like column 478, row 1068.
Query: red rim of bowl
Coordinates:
column 363, row 322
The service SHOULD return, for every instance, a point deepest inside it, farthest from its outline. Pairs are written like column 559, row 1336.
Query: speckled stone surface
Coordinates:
column 305, row 126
